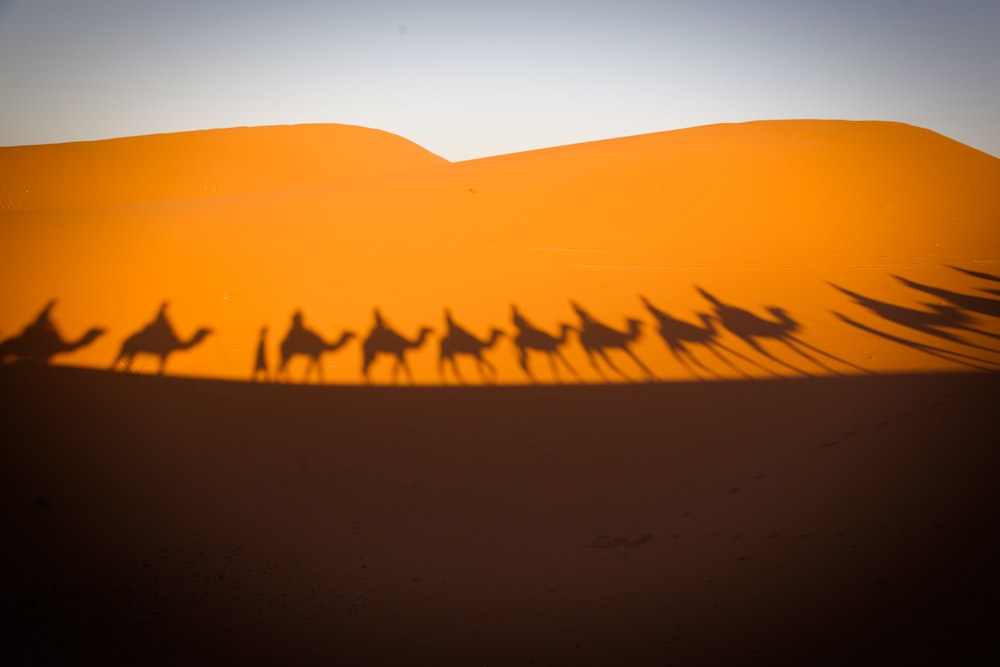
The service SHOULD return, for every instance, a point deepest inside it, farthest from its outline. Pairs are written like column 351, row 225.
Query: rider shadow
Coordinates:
column 300, row 341
column 753, row 329
column 459, row 342
column 156, row 339
column 40, row 340
column 598, row 339
column 529, row 339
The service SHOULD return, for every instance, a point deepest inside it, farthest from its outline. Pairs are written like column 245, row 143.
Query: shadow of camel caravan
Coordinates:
column 598, row 338
column 458, row 342
column 156, row 339
column 301, row 341
column 383, row 340
column 529, row 338
column 40, row 340
column 678, row 335
column 753, row 329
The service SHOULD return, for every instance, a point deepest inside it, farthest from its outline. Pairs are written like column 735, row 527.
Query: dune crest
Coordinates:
column 199, row 164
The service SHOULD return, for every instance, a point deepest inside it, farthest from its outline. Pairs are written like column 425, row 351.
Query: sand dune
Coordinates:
column 800, row 471
column 791, row 214
column 197, row 165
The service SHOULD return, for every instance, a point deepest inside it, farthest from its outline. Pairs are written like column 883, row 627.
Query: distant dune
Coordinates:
column 194, row 165
column 844, row 226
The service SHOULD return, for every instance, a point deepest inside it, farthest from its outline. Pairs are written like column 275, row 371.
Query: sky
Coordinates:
column 480, row 78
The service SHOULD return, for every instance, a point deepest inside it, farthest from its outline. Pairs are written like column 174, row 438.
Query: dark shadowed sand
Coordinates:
column 847, row 520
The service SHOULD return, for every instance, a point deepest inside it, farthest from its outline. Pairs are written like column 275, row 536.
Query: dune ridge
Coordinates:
column 198, row 164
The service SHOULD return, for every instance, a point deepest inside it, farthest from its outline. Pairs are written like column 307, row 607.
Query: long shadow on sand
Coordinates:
column 157, row 339
column 383, row 340
column 597, row 339
column 968, row 302
column 303, row 341
column 458, row 342
column 40, row 340
column 780, row 327
column 529, row 339
column 938, row 321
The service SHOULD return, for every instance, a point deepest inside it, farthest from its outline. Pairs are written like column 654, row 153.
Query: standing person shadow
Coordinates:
column 260, row 368
column 157, row 339
column 40, row 340
column 532, row 339
column 597, row 338
column 302, row 341
column 458, row 342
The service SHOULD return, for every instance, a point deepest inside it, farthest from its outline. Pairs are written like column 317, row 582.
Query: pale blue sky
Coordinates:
column 478, row 78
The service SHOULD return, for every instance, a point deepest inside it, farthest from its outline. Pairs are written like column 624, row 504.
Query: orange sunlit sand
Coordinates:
column 751, row 250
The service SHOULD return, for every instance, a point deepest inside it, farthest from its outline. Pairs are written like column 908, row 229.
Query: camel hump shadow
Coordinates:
column 383, row 340
column 158, row 339
column 530, row 338
column 39, row 341
column 597, row 339
column 459, row 342
column 302, row 341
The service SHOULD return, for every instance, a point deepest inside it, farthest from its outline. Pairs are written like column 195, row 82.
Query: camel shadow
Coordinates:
column 679, row 336
column 458, row 342
column 752, row 329
column 157, row 339
column 383, row 340
column 530, row 338
column 598, row 338
column 40, row 340
column 300, row 341
column 982, row 275
column 936, row 322
column 960, row 358
column 968, row 302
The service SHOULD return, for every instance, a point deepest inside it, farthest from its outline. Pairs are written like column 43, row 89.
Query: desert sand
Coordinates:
column 785, row 457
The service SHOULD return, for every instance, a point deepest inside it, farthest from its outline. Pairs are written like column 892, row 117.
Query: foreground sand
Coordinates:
column 151, row 520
